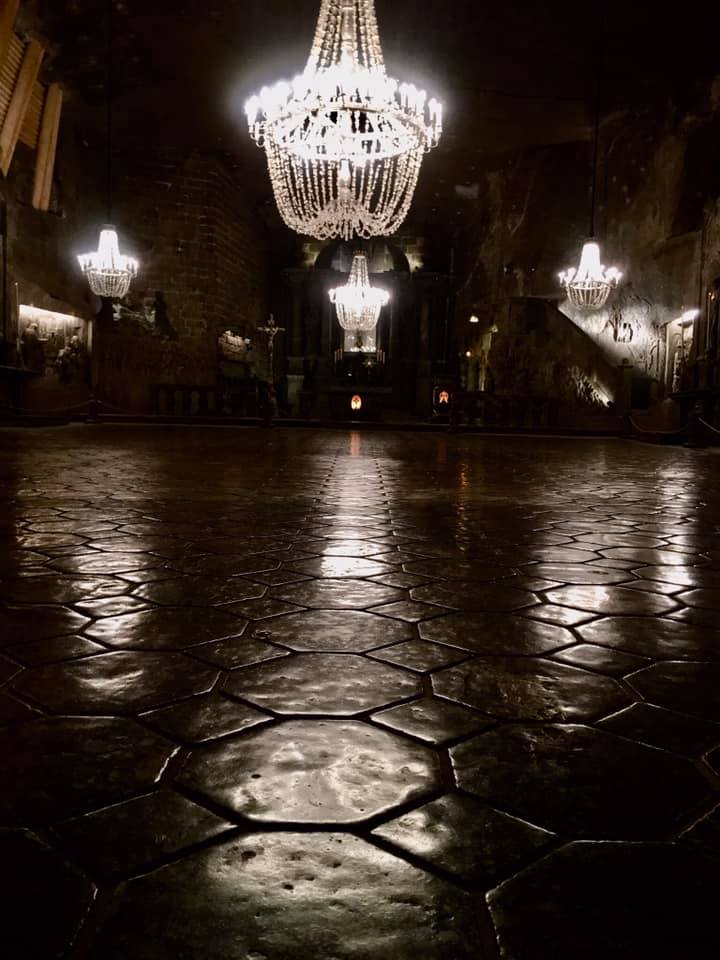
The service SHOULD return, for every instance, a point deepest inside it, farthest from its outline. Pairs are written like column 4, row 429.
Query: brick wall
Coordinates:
column 199, row 244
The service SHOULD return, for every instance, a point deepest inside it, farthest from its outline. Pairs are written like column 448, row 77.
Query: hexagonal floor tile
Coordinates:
column 27, row 624
column 238, row 565
column 199, row 591
column 463, row 837
column 313, row 771
column 56, row 768
column 340, row 684
column 351, row 548
column 48, row 590
column 235, row 652
column 579, row 782
column 577, row 573
column 123, row 839
column 520, row 688
column 411, row 611
column 170, row 628
column 340, row 631
column 654, row 637
column 590, row 656
column 640, row 555
column 432, row 720
column 331, row 566
column 560, row 616
column 110, row 606
column 467, row 595
column 125, row 682
column 609, row 600
column 93, row 562
column 339, row 594
column 458, row 570
column 285, row 896
column 38, row 652
column 692, row 688
column 596, row 900
column 420, row 655
column 488, row 634
column 262, row 609
column 205, row 718
column 33, row 875
column 666, row 729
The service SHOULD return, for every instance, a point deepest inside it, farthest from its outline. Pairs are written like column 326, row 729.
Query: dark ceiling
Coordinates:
column 511, row 74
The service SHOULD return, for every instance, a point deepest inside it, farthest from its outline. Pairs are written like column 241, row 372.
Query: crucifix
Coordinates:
column 271, row 331
column 269, row 404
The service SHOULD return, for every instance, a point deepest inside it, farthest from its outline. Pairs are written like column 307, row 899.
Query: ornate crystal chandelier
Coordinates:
column 357, row 304
column 588, row 287
column 108, row 271
column 344, row 142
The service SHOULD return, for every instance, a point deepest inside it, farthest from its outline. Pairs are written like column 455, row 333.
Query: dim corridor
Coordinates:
column 287, row 694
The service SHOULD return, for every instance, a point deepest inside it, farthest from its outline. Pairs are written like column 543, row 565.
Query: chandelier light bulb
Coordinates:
column 588, row 287
column 108, row 271
column 344, row 142
column 358, row 304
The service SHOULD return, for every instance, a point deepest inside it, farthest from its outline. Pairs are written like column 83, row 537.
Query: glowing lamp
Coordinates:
column 109, row 272
column 344, row 142
column 357, row 303
column 588, row 287
column 474, row 319
column 356, row 402
column 443, row 397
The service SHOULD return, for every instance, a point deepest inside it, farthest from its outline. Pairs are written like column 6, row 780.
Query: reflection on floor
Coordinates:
column 275, row 695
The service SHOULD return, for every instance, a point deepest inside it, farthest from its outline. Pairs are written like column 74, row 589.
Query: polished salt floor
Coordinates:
column 275, row 695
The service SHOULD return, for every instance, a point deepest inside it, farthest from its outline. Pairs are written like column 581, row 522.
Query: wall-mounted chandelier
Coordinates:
column 357, row 303
column 109, row 273
column 344, row 142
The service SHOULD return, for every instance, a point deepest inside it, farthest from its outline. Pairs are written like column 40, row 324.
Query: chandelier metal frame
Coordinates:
column 344, row 141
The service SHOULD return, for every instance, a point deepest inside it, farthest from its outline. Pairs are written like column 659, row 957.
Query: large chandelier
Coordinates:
column 588, row 287
column 108, row 271
column 344, row 142
column 357, row 304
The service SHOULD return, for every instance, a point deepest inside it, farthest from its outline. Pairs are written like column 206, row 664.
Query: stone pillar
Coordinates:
column 424, row 380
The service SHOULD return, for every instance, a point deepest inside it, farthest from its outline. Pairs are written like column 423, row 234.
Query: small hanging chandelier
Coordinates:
column 344, row 142
column 357, row 304
column 588, row 287
column 109, row 272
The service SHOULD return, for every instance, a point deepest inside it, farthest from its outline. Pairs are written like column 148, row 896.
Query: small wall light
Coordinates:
column 356, row 402
column 474, row 319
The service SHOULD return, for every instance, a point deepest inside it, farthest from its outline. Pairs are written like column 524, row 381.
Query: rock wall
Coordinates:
column 657, row 219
